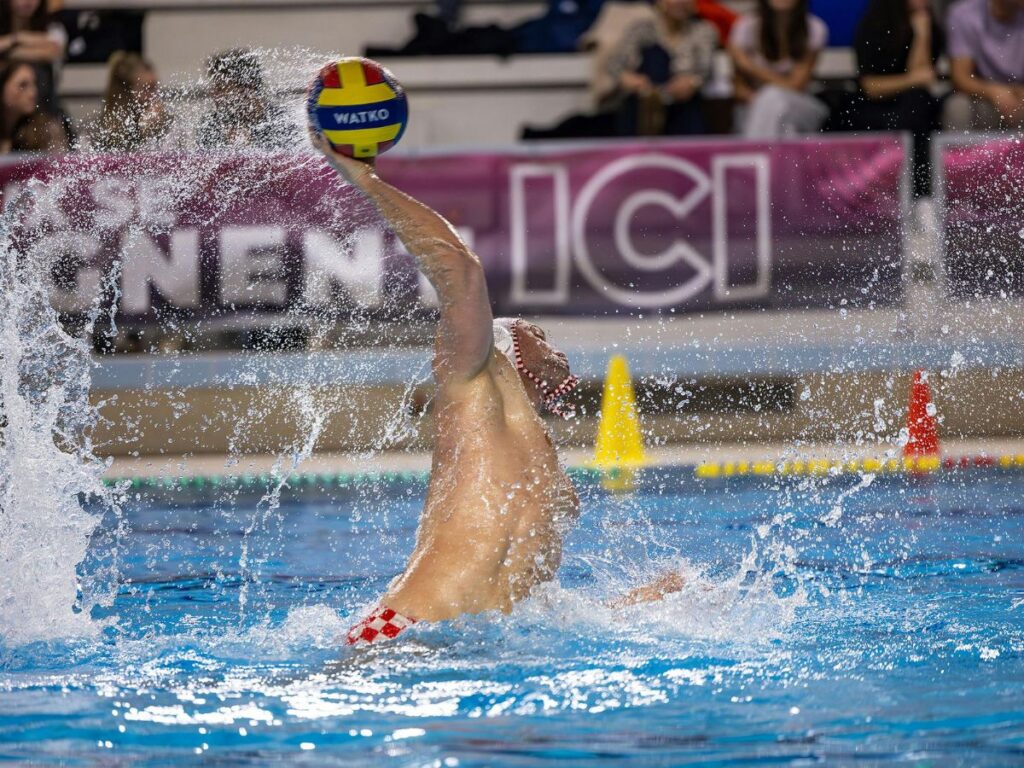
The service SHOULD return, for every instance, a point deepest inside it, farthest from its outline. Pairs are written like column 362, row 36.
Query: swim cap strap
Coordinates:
column 552, row 397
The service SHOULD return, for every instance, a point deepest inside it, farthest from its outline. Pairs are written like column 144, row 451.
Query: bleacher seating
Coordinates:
column 447, row 92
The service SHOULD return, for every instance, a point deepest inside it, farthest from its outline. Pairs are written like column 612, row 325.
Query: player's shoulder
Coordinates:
column 479, row 392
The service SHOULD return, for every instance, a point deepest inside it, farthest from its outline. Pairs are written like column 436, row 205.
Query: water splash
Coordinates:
column 48, row 470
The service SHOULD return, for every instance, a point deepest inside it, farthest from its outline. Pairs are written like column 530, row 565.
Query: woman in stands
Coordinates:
column 242, row 112
column 27, row 34
column 43, row 133
column 898, row 44
column 134, row 116
column 19, row 99
column 659, row 68
column 774, row 53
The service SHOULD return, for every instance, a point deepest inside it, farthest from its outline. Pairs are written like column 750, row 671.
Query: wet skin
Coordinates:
column 497, row 506
column 498, row 503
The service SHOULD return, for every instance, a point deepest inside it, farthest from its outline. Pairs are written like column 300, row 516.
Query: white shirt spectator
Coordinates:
column 746, row 35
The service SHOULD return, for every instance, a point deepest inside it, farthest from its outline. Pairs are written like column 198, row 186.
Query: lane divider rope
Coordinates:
column 258, row 482
column 705, row 471
column 821, row 467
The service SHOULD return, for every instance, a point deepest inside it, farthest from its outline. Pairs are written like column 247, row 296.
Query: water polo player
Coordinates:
column 498, row 503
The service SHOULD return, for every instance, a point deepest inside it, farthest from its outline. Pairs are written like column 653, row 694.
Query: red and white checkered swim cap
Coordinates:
column 507, row 342
column 382, row 624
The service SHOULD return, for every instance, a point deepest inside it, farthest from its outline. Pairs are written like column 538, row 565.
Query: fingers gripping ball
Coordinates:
column 358, row 106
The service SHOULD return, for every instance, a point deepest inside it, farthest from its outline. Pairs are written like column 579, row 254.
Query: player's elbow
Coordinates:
column 466, row 260
column 459, row 270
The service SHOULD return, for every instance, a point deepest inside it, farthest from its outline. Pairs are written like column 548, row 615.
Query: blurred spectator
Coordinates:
column 898, row 45
column 27, row 34
column 614, row 39
column 19, row 98
column 43, row 132
column 242, row 112
column 986, row 48
column 774, row 53
column 658, row 69
column 133, row 114
column 557, row 30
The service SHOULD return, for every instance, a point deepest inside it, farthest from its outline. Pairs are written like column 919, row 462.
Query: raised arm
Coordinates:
column 465, row 337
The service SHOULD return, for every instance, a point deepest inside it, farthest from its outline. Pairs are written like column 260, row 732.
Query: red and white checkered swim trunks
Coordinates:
column 382, row 624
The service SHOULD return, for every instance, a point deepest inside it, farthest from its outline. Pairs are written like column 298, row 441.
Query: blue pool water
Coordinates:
column 829, row 619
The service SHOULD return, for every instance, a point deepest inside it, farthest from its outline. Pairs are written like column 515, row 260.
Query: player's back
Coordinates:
column 497, row 505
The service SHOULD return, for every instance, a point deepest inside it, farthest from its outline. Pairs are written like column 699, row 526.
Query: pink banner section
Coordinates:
column 603, row 230
column 983, row 214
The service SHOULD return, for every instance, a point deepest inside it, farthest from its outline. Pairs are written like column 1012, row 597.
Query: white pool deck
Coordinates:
column 934, row 335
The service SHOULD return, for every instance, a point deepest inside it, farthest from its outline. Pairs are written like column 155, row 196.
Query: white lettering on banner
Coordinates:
column 557, row 176
column 69, row 251
column 720, row 166
column 251, row 263
column 174, row 275
column 115, row 203
column 156, row 201
column 43, row 204
column 357, row 263
column 707, row 269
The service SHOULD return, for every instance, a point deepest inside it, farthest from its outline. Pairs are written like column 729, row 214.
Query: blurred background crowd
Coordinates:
column 657, row 69
column 757, row 69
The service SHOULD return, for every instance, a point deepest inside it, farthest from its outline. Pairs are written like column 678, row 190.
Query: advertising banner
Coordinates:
column 598, row 230
column 982, row 205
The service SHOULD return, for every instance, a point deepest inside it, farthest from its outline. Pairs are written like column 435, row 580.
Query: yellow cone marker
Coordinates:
column 620, row 445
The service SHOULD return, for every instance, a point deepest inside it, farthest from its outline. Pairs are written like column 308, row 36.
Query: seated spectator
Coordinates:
column 659, row 68
column 133, row 114
column 898, row 44
column 986, row 48
column 243, row 113
column 27, row 34
column 559, row 29
column 19, row 98
column 608, row 40
column 774, row 53
column 43, row 133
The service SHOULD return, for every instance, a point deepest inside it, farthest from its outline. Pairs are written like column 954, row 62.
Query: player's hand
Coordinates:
column 354, row 171
column 666, row 584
